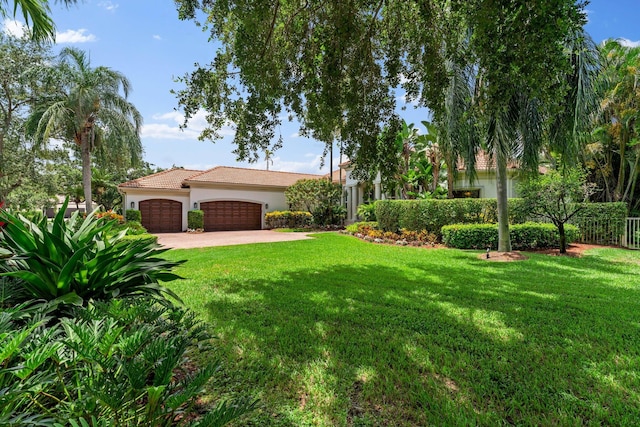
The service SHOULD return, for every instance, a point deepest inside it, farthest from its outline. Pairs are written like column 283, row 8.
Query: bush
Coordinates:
column 132, row 228
column 362, row 227
column 133, row 215
column 57, row 261
column 433, row 214
column 107, row 216
column 333, row 215
column 195, row 220
column 288, row 219
column 125, row 359
column 367, row 212
column 147, row 238
column 530, row 235
column 601, row 223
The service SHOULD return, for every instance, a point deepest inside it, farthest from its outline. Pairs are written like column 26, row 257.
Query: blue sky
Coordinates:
column 145, row 40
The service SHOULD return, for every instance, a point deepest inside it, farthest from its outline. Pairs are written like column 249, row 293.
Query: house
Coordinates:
column 483, row 186
column 232, row 198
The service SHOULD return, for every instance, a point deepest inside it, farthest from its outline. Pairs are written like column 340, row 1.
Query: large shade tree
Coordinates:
column 335, row 64
column 92, row 112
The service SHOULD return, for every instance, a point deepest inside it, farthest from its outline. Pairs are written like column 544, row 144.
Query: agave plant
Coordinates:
column 80, row 259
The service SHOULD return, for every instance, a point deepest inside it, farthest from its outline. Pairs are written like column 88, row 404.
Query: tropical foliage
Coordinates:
column 125, row 362
column 321, row 197
column 72, row 262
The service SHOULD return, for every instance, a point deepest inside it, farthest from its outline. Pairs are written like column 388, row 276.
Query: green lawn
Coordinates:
column 334, row 331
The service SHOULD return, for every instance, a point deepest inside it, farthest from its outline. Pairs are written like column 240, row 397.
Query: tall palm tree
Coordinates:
column 36, row 14
column 91, row 112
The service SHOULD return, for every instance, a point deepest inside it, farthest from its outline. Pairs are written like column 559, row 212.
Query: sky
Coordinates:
column 145, row 40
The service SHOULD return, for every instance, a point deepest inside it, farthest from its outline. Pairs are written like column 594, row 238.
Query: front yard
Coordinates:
column 337, row 331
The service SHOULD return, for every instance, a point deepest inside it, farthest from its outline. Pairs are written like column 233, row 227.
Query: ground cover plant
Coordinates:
column 335, row 331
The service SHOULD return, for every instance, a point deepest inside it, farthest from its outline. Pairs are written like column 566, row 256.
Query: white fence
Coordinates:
column 631, row 238
column 614, row 233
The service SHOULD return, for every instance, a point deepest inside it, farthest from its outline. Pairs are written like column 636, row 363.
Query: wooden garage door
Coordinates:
column 231, row 215
column 161, row 215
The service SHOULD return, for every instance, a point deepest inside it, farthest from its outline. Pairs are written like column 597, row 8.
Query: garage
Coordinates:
column 161, row 215
column 231, row 215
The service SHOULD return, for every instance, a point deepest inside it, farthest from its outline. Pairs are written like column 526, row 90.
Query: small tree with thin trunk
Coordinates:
column 557, row 196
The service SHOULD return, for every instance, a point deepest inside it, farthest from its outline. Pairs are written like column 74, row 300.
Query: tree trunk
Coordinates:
column 563, row 238
column 85, row 150
column 504, row 241
column 450, row 181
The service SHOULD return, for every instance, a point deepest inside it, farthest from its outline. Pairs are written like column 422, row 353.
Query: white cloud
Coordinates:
column 75, row 36
column 172, row 130
column 107, row 5
column 628, row 43
column 403, row 99
column 156, row 37
column 14, row 28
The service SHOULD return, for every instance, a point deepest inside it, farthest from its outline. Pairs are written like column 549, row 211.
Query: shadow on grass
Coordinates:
column 545, row 341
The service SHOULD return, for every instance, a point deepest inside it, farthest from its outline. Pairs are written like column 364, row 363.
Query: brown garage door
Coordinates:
column 161, row 215
column 231, row 215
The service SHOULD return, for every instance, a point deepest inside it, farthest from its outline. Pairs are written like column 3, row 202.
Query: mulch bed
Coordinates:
column 574, row 250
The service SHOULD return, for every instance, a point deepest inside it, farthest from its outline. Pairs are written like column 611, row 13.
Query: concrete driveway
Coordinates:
column 225, row 238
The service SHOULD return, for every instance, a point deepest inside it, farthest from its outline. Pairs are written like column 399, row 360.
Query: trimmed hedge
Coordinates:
column 288, row 219
column 433, row 214
column 133, row 215
column 146, row 237
column 195, row 219
column 530, row 235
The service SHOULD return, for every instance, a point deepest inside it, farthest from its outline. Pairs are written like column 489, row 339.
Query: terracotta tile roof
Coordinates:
column 485, row 162
column 335, row 176
column 171, row 179
column 243, row 176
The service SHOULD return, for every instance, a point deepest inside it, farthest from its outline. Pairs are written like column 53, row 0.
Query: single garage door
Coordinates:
column 231, row 215
column 161, row 215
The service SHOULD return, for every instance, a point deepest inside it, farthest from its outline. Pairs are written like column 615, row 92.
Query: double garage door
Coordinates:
column 165, row 216
column 231, row 215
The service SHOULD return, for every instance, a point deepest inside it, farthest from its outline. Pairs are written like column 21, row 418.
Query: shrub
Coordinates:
column 54, row 261
column 125, row 359
column 329, row 215
column 601, row 223
column 288, row 219
column 433, row 214
column 132, row 228
column 530, row 235
column 367, row 212
column 133, row 215
column 195, row 219
column 150, row 239
column 362, row 227
column 107, row 216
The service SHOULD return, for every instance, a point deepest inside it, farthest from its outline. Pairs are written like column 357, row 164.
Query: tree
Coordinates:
column 557, row 196
column 320, row 197
column 91, row 112
column 268, row 154
column 335, row 64
column 36, row 15
column 614, row 152
column 21, row 84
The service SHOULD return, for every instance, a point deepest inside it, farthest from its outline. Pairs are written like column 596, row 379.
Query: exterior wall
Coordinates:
column 136, row 196
column 270, row 199
column 486, row 183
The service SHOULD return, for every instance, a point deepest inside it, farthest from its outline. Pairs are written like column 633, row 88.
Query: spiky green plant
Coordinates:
column 79, row 259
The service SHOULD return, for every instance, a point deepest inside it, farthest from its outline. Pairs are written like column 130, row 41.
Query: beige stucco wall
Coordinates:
column 486, row 183
column 271, row 199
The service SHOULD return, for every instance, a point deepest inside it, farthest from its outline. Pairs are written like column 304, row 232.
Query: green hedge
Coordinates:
column 146, row 237
column 530, row 235
column 133, row 215
column 433, row 214
column 195, row 219
column 288, row 219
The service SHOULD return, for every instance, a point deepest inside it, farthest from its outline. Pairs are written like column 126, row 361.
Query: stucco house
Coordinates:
column 232, row 198
column 483, row 186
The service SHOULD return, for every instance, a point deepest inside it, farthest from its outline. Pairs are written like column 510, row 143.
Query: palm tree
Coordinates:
column 268, row 154
column 35, row 14
column 91, row 112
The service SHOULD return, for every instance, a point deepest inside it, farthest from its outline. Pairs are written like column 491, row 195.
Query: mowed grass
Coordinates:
column 334, row 331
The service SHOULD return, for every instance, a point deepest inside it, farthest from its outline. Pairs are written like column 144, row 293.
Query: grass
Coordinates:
column 334, row 331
